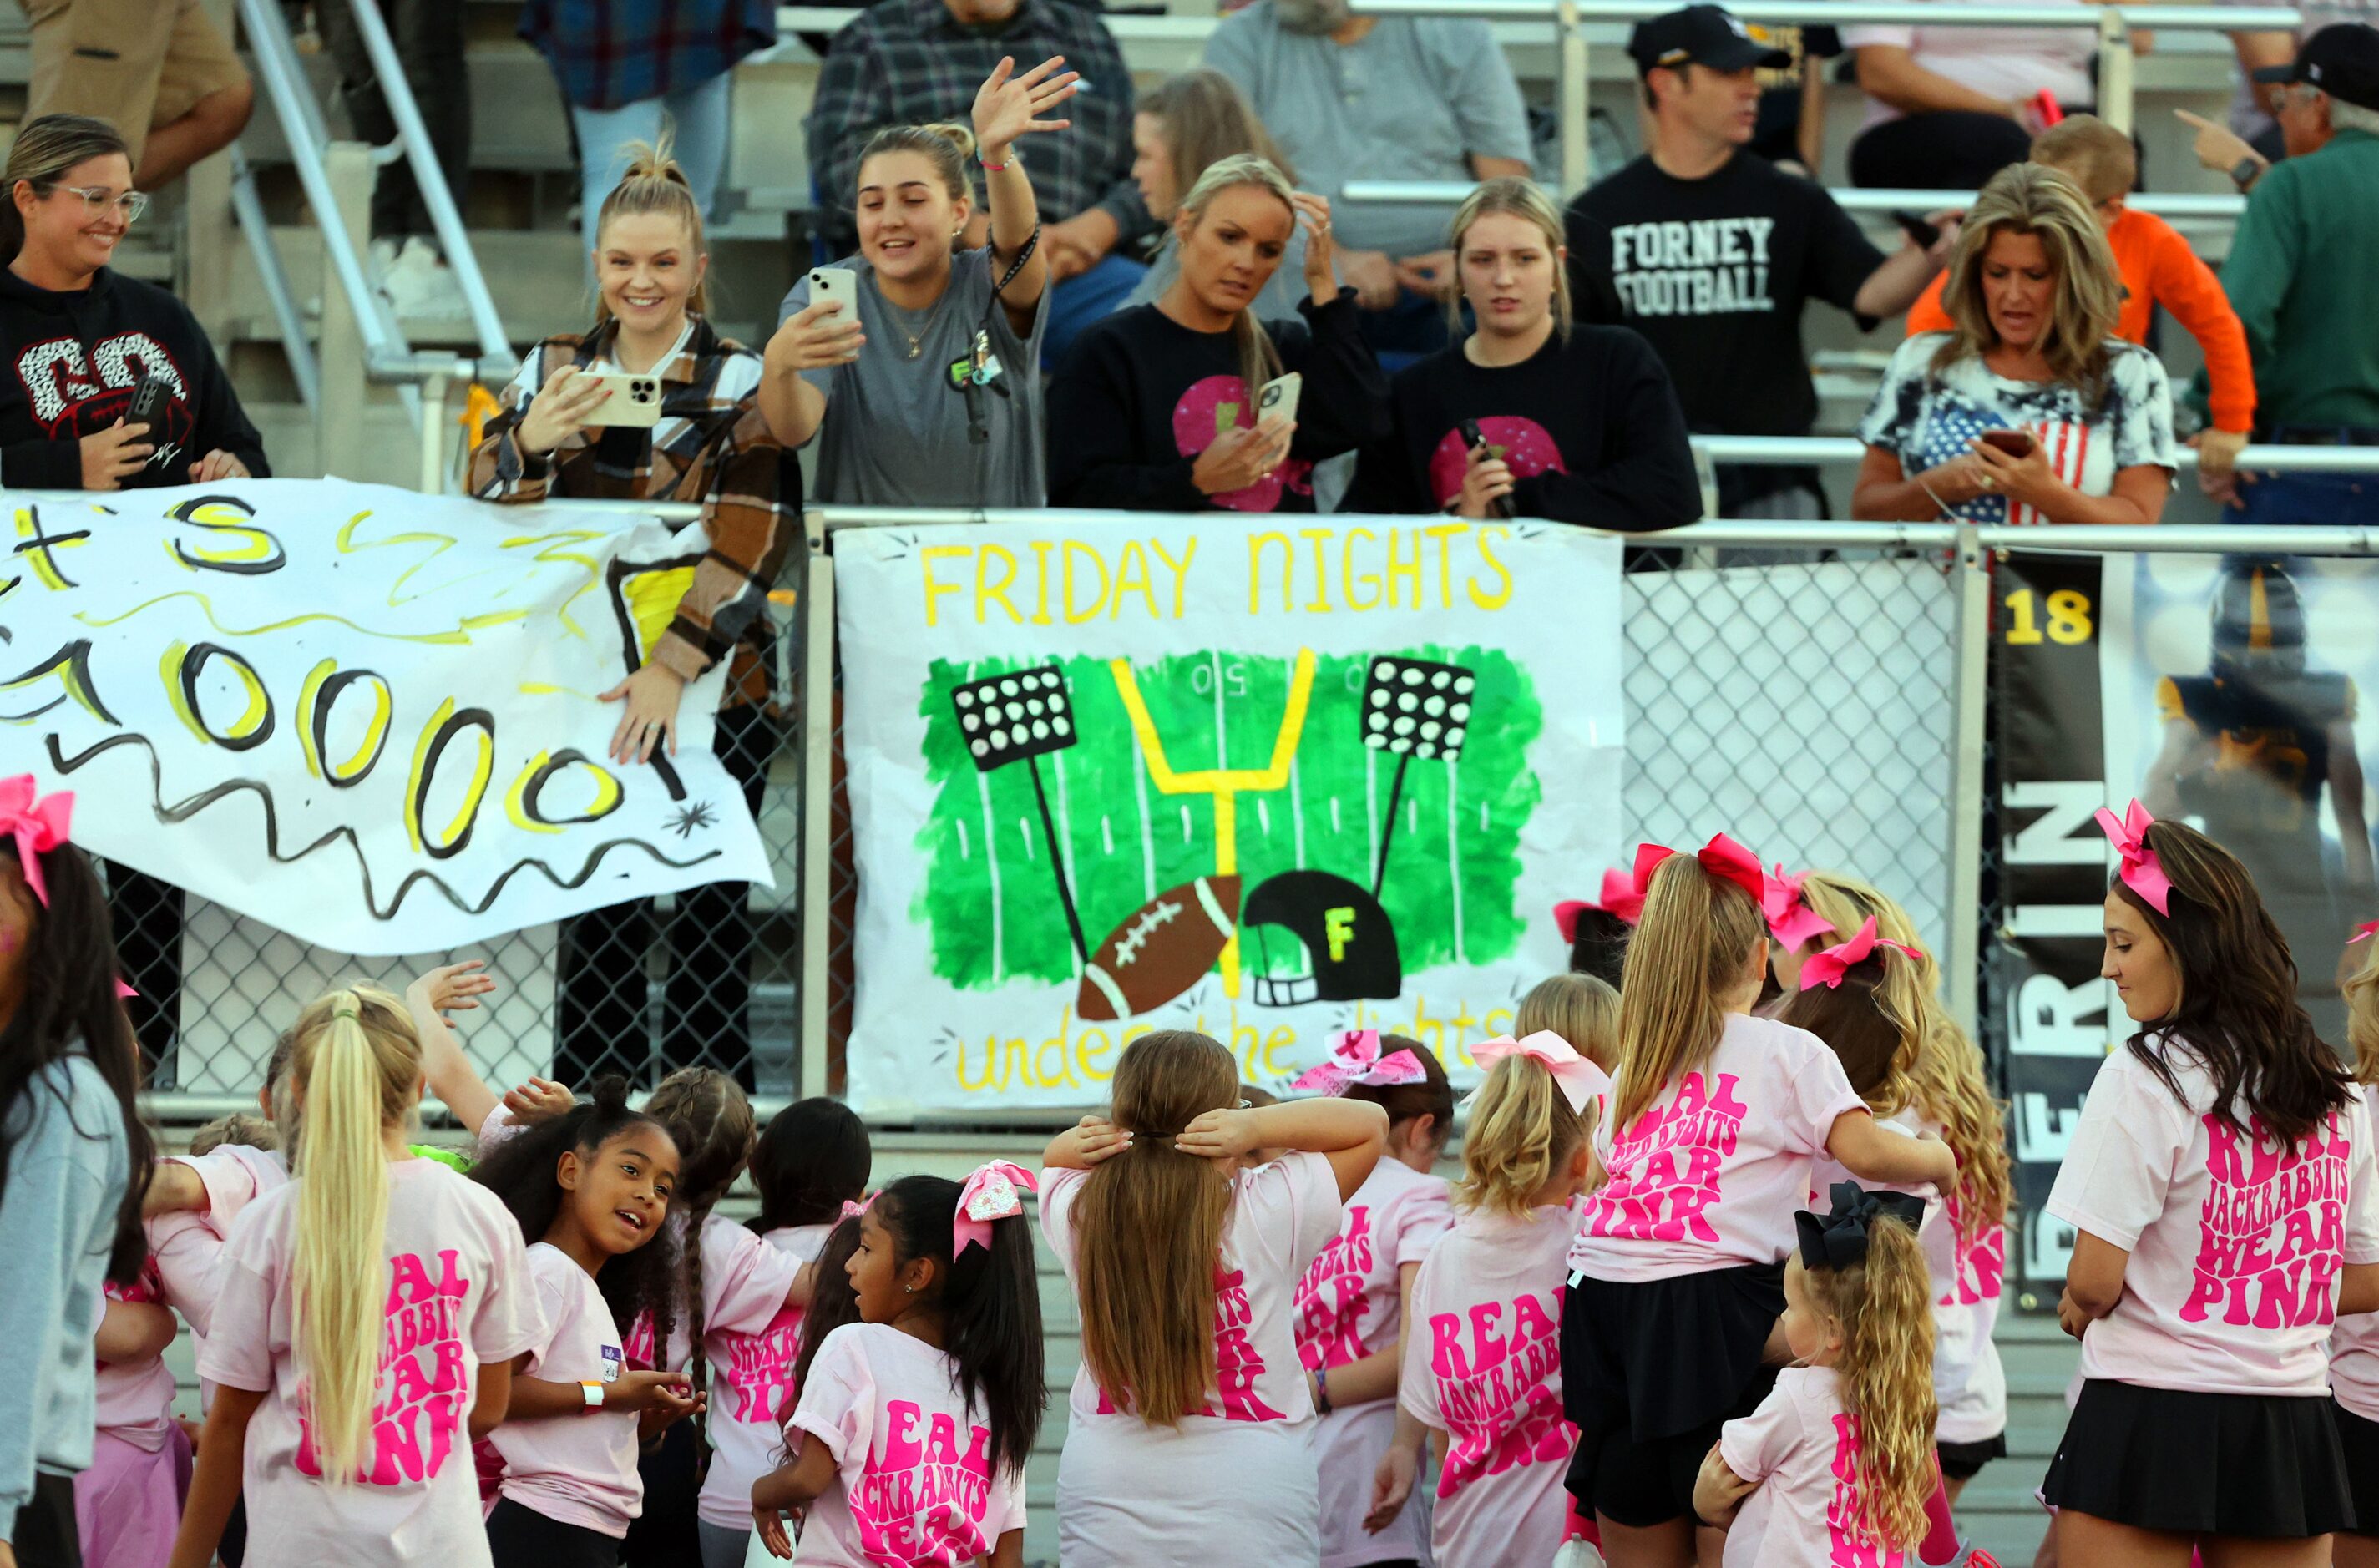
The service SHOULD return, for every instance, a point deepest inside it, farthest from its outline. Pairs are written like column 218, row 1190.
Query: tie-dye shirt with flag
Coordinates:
column 1924, row 418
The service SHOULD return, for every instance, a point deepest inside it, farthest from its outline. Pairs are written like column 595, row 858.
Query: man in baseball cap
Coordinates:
column 1702, row 35
column 2299, row 274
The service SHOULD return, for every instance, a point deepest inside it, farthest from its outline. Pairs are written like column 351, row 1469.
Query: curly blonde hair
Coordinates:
column 1521, row 1132
column 1884, row 1305
column 2032, row 198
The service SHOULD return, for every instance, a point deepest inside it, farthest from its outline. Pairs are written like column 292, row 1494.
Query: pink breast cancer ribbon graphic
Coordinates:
column 1356, row 1059
column 1828, row 968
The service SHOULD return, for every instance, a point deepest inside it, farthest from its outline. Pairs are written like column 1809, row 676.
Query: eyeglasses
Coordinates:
column 97, row 198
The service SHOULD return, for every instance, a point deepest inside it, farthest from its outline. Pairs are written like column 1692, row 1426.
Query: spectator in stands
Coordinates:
column 1381, row 98
column 1158, row 406
column 165, row 76
column 2158, row 269
column 2300, row 276
column 2254, row 117
column 1185, row 125
column 1711, row 253
column 713, row 447
column 407, row 265
column 631, row 72
column 930, row 396
column 1949, row 106
column 2031, row 361
column 81, row 339
column 1529, row 415
column 915, row 62
column 1791, row 130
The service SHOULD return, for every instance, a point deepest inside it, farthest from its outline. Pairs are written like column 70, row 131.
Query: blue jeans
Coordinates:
column 2302, row 500
column 697, row 117
column 1084, row 298
column 1413, row 328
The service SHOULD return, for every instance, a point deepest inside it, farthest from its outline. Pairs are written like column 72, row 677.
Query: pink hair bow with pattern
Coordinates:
column 989, row 1194
column 1356, row 1059
column 1581, row 1082
column 852, row 1210
column 1721, row 857
column 1620, row 899
column 1789, row 916
column 1828, row 968
column 2142, row 872
column 36, row 825
column 2363, row 932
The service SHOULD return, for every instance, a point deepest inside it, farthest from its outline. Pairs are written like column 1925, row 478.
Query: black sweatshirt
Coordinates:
column 1590, row 429
column 1140, row 396
column 76, row 355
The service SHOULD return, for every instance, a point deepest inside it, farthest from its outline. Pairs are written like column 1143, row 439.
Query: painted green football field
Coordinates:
column 1124, row 840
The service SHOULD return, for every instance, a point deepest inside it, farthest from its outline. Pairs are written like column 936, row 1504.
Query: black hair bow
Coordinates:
column 1840, row 1240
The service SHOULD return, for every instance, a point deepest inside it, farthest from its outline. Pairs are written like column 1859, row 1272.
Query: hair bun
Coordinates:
column 958, row 136
column 609, row 1094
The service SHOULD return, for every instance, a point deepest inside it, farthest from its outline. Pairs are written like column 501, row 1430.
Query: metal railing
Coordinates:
column 1849, row 449
column 1851, row 199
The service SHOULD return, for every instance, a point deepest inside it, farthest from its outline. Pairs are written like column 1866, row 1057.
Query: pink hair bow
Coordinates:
column 1620, row 898
column 852, row 1210
column 124, row 991
column 1828, row 968
column 2363, row 932
column 36, row 825
column 1581, row 1082
column 1356, row 1059
column 989, row 1194
column 1721, row 857
column 2143, row 872
column 1789, row 916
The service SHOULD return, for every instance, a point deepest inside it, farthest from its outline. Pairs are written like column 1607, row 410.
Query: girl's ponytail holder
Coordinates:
column 1722, row 857
column 1620, row 901
column 2363, row 932
column 1840, row 1239
column 2142, row 872
column 1828, row 968
column 1790, row 919
column 989, row 1194
column 36, row 825
column 1356, row 1059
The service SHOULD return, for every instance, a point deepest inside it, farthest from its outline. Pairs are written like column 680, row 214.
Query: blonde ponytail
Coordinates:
column 1690, row 950
column 1884, row 1305
column 358, row 1066
column 1521, row 1132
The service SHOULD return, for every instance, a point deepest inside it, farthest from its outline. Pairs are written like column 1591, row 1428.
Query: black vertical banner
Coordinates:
column 2048, row 1025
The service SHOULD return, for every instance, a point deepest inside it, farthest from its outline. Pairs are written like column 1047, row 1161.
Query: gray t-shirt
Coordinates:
column 1277, row 301
column 1405, row 102
column 895, row 433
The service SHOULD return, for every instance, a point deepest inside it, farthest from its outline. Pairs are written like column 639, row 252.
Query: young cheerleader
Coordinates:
column 1486, row 1374
column 2221, row 1187
column 2354, row 1345
column 1190, row 1431
column 1836, row 1466
column 1677, row 1276
column 1597, row 934
column 1581, row 1009
column 812, row 1160
column 594, row 1187
column 1350, row 1305
column 916, row 1422
column 365, row 1326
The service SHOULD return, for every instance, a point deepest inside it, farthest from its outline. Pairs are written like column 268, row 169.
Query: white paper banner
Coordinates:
column 1268, row 780
column 365, row 717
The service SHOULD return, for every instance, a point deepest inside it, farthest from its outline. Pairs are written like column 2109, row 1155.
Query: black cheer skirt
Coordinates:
column 2361, row 1440
column 2203, row 1464
column 1648, row 1372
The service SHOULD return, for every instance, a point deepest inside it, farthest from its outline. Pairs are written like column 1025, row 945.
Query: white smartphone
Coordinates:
column 1279, row 396
column 635, row 401
column 839, row 285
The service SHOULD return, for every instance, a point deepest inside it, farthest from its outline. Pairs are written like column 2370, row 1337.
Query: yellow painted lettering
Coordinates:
column 1131, row 577
column 933, row 589
column 1347, row 578
column 1399, row 569
column 1181, row 569
column 1319, row 536
column 1281, row 1039
column 1446, row 534
column 1338, row 929
column 1076, row 549
column 988, row 593
column 1041, row 566
column 1501, row 596
column 1256, row 543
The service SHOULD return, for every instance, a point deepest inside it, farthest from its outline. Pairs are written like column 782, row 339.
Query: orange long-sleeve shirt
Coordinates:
column 2159, row 267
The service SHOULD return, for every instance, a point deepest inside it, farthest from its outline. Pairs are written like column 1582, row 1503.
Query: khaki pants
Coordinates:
column 136, row 64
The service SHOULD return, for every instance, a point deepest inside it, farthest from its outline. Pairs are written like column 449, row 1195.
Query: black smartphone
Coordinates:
column 151, row 397
column 2015, row 443
column 1923, row 233
column 1475, row 440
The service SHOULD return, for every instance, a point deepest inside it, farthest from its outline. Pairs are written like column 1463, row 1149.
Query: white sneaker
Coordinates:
column 418, row 285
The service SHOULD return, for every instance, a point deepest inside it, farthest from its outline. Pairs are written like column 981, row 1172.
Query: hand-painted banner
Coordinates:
column 365, row 717
column 1109, row 777
column 2218, row 690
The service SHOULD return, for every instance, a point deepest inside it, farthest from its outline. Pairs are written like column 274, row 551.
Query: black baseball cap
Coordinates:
column 2341, row 59
column 1704, row 35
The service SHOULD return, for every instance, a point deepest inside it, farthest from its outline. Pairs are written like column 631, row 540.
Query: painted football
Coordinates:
column 1160, row 950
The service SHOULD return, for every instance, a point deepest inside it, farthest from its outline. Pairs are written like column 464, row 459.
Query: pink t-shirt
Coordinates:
column 2354, row 1363
column 133, row 1400
column 1282, row 1216
column 744, row 1283
column 579, row 1468
column 1349, row 1305
column 751, row 1389
column 1710, row 1175
column 914, row 1481
column 458, row 1298
column 236, row 1175
column 1803, row 1452
column 2005, row 62
column 1483, row 1364
column 2235, row 1243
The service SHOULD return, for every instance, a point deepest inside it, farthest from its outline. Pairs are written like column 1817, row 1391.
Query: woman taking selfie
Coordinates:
column 1529, row 415
column 2032, row 411
column 1158, row 403
column 923, row 390
column 711, row 446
